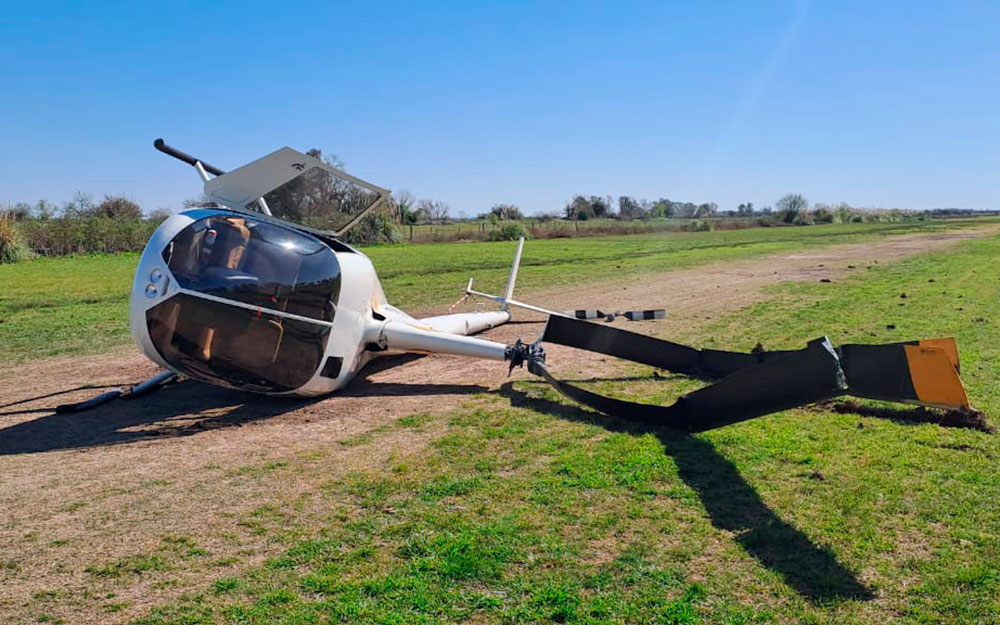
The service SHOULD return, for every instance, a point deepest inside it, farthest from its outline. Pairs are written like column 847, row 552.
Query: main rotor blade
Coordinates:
column 674, row 357
column 754, row 384
column 791, row 379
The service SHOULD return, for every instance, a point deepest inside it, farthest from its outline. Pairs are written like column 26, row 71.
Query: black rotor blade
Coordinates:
column 674, row 357
column 791, row 379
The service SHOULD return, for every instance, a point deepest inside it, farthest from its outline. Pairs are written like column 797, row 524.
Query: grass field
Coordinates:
column 76, row 305
column 522, row 508
column 543, row 512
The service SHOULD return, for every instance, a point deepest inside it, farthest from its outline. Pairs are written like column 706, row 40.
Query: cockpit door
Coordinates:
column 299, row 188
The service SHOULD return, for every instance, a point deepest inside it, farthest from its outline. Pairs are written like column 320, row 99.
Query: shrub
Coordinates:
column 12, row 249
column 823, row 215
column 509, row 232
column 118, row 207
column 506, row 212
column 61, row 236
column 699, row 225
column 378, row 228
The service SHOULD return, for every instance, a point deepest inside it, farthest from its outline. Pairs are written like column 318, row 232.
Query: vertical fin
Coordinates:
column 512, row 279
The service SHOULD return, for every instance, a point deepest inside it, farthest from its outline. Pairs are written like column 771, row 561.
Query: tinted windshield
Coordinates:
column 235, row 346
column 239, row 258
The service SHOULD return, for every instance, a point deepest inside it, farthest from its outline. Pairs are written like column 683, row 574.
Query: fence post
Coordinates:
column 411, row 233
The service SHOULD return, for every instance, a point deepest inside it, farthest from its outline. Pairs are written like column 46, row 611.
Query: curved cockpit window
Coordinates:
column 235, row 346
column 259, row 302
column 240, row 258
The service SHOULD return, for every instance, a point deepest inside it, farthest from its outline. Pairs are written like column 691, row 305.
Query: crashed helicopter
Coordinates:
column 241, row 295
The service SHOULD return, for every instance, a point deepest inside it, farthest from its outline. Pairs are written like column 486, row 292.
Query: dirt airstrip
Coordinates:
column 83, row 490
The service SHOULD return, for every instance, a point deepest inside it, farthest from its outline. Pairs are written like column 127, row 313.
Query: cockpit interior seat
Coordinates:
column 232, row 235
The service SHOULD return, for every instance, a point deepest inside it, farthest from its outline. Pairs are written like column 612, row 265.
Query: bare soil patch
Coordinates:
column 191, row 462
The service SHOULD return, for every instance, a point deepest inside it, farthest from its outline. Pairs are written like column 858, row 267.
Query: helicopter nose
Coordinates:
column 241, row 302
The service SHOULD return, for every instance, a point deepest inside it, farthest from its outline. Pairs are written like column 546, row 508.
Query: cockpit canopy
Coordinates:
column 256, row 303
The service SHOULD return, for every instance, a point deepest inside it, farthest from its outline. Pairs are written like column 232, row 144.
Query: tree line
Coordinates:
column 116, row 223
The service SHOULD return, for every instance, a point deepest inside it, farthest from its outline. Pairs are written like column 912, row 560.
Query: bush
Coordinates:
column 12, row 249
column 118, row 207
column 506, row 212
column 510, row 232
column 378, row 228
column 58, row 237
column 822, row 215
column 699, row 225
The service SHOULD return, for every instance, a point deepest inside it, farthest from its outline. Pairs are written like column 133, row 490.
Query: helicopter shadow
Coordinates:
column 184, row 409
column 732, row 504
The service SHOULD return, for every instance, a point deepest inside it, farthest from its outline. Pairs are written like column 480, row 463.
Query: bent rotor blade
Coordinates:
column 793, row 379
column 919, row 372
column 754, row 384
column 674, row 357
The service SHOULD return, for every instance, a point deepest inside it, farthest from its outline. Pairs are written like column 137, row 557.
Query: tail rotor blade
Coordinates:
column 631, row 315
column 645, row 315
column 586, row 314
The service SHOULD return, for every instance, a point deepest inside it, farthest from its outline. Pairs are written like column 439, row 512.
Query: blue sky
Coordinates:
column 893, row 104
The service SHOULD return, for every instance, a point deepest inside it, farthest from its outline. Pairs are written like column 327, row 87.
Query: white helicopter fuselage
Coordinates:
column 362, row 325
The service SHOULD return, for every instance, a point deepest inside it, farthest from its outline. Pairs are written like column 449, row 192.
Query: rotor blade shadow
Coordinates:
column 85, row 387
column 365, row 388
column 176, row 410
column 732, row 504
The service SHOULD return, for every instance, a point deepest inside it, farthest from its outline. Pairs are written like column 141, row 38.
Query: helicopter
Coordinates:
column 240, row 294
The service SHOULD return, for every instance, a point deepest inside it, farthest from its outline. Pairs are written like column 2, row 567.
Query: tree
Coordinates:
column 81, row 206
column 790, row 206
column 429, row 210
column 201, row 201
column 404, row 202
column 118, row 207
column 159, row 214
column 19, row 211
column 685, row 210
column 662, row 208
column 708, row 209
column 44, row 210
column 440, row 211
column 506, row 211
column 601, row 206
column 579, row 208
column 330, row 160
column 745, row 209
column 629, row 208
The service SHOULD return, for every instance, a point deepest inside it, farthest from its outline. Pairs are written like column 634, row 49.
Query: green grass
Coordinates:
column 526, row 509
column 132, row 565
column 79, row 305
